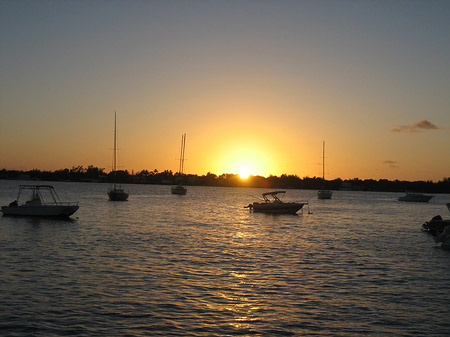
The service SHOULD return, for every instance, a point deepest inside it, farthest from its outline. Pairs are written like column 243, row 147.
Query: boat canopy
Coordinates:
column 273, row 193
column 48, row 190
column 36, row 186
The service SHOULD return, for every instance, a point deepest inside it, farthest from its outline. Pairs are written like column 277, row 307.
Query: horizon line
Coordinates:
column 225, row 173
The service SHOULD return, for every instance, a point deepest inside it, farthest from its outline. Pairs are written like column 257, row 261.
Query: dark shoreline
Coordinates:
column 97, row 175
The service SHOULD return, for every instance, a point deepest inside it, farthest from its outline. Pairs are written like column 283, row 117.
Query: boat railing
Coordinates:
column 66, row 203
column 52, row 203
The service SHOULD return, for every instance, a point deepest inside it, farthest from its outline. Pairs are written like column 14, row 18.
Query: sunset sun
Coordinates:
column 244, row 172
column 243, row 159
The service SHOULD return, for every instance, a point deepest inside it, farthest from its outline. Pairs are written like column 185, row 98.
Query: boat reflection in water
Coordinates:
column 275, row 205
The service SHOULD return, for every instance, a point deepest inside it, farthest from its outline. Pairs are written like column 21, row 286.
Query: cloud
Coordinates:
column 423, row 124
column 416, row 127
column 400, row 128
column 391, row 163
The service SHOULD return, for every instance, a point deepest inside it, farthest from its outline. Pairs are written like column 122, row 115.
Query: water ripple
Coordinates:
column 201, row 265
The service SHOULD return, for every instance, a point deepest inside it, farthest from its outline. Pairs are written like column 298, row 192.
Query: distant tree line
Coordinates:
column 95, row 174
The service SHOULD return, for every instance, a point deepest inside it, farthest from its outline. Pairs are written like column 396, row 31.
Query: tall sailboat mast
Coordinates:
column 183, row 146
column 116, row 194
column 180, row 189
column 184, row 149
column 115, row 149
column 323, row 193
column 323, row 162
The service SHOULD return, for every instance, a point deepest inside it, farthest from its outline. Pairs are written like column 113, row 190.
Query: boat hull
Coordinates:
column 277, row 208
column 436, row 225
column 416, row 198
column 179, row 190
column 324, row 194
column 117, row 195
column 43, row 210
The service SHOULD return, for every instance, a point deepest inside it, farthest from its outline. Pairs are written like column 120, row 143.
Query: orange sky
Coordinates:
column 257, row 87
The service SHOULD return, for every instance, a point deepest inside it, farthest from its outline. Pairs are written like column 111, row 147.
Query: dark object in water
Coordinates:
column 275, row 205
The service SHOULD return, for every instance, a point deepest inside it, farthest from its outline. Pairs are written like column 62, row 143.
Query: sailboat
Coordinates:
column 324, row 194
column 179, row 189
column 116, row 193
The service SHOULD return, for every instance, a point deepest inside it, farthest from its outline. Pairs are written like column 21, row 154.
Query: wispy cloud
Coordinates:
column 415, row 127
column 391, row 163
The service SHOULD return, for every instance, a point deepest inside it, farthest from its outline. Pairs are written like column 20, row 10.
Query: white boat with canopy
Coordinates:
column 275, row 205
column 39, row 200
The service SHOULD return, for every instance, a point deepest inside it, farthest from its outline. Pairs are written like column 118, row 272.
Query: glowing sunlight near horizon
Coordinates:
column 245, row 162
column 245, row 157
column 243, row 172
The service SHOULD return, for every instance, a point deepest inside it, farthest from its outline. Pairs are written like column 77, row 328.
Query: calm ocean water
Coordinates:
column 202, row 265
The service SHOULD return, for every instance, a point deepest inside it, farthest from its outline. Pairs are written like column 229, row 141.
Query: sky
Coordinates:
column 257, row 86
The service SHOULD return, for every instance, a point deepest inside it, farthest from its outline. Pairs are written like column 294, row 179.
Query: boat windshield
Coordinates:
column 273, row 195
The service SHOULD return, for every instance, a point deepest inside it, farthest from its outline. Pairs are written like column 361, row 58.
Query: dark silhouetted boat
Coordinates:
column 324, row 194
column 275, row 205
column 415, row 197
column 179, row 189
column 440, row 229
column 116, row 193
column 40, row 200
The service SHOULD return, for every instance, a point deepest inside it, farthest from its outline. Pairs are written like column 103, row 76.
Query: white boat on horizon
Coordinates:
column 41, row 200
column 275, row 205
column 116, row 193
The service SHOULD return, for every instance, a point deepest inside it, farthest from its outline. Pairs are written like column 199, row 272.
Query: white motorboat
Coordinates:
column 179, row 189
column 415, row 197
column 275, row 205
column 40, row 200
column 324, row 194
column 116, row 193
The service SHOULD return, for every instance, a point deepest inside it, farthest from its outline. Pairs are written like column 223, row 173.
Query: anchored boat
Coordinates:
column 179, row 189
column 440, row 229
column 415, row 197
column 275, row 205
column 116, row 193
column 39, row 200
column 324, row 194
